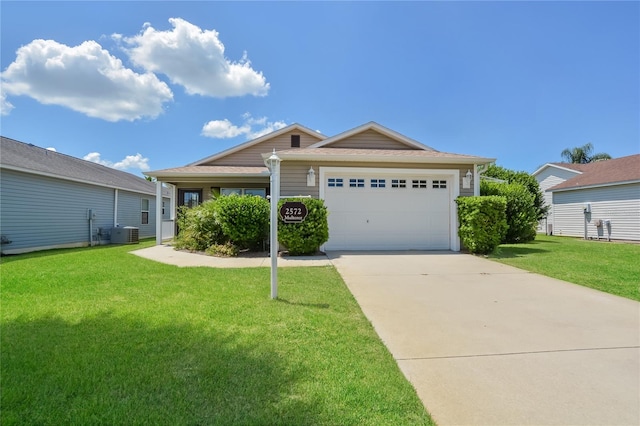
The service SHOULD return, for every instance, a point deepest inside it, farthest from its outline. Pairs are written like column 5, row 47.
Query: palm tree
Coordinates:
column 583, row 154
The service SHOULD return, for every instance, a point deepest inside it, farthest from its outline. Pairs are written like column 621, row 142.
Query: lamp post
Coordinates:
column 273, row 163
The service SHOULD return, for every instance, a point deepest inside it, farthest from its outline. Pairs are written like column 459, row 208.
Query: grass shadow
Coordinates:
column 114, row 370
column 516, row 251
column 308, row 305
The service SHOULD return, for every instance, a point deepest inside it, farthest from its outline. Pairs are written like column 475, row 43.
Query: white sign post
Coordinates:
column 273, row 163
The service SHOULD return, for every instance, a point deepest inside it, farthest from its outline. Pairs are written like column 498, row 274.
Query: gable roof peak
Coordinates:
column 372, row 125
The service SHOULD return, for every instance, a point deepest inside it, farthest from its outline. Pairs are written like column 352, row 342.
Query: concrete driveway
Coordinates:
column 488, row 344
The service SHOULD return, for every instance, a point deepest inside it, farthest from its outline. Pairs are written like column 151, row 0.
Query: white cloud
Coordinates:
column 129, row 162
column 5, row 106
column 85, row 78
column 51, row 149
column 194, row 58
column 224, row 129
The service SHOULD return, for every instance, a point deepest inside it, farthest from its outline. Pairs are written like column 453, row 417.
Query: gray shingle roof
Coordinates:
column 605, row 172
column 27, row 157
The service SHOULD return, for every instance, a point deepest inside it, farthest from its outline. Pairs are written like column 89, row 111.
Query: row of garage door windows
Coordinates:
column 382, row 183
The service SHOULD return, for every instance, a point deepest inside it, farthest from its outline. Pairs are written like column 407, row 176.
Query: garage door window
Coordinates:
column 335, row 183
column 378, row 183
column 419, row 184
column 440, row 184
column 356, row 183
column 398, row 183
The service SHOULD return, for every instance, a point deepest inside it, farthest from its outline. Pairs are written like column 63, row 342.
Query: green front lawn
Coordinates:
column 100, row 336
column 607, row 266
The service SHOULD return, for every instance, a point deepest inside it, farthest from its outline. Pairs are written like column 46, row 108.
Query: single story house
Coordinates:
column 383, row 190
column 593, row 200
column 52, row 200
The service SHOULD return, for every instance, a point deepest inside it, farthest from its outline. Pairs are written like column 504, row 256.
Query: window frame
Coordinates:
column 144, row 214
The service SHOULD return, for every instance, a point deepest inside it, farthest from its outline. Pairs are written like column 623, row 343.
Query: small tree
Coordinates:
column 520, row 210
column 523, row 178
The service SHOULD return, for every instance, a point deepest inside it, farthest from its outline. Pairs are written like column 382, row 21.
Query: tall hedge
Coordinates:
column 522, row 213
column 243, row 219
column 483, row 222
column 306, row 237
column 198, row 228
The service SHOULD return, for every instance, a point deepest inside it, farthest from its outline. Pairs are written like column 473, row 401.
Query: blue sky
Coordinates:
column 152, row 85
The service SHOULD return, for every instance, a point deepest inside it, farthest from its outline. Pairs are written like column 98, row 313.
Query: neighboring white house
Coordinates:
column 594, row 200
column 52, row 200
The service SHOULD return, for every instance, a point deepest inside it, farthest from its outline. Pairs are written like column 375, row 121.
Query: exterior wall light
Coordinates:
column 466, row 180
column 311, row 177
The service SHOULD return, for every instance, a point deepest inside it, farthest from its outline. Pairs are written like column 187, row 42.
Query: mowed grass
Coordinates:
column 611, row 267
column 100, row 336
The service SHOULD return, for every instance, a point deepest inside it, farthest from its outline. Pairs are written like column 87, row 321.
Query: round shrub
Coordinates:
column 306, row 237
column 522, row 213
column 244, row 219
column 483, row 222
column 198, row 227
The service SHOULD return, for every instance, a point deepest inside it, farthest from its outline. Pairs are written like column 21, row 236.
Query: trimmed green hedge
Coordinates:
column 198, row 227
column 306, row 237
column 483, row 222
column 244, row 219
column 521, row 211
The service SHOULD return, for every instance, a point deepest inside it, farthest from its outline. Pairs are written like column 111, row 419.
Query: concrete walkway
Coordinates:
column 167, row 254
column 487, row 344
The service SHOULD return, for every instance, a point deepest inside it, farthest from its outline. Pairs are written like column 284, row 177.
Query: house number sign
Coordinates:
column 293, row 212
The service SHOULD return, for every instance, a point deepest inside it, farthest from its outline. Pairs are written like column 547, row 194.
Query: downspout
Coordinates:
column 115, row 208
column 158, row 213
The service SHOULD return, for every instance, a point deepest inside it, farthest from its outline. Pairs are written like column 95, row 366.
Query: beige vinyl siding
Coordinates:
column 252, row 156
column 619, row 203
column 293, row 175
column 370, row 139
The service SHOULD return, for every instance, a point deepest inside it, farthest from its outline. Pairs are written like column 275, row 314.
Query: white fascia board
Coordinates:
column 601, row 185
column 372, row 125
column 256, row 141
column 87, row 182
column 557, row 167
column 206, row 175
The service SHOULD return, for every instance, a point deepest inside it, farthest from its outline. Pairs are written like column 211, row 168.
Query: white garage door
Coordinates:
column 383, row 210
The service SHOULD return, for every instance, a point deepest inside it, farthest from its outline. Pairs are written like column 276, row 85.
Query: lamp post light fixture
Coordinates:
column 273, row 163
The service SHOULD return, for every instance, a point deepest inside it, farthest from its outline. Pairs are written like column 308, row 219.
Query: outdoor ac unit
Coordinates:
column 124, row 235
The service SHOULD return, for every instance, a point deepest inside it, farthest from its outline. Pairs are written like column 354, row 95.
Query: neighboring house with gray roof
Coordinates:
column 383, row 190
column 46, row 196
column 594, row 200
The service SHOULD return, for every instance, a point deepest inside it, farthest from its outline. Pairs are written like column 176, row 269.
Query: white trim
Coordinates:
column 373, row 158
column 115, row 208
column 372, row 125
column 236, row 148
column 454, row 191
column 476, row 181
column 158, row 212
column 597, row 185
column 557, row 167
column 204, row 174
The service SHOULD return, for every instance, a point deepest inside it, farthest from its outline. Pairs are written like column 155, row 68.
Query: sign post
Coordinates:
column 273, row 163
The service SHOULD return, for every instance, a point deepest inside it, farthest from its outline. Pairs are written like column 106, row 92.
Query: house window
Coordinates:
column 378, row 183
column 144, row 207
column 440, row 184
column 356, row 183
column 335, row 183
column 398, row 183
column 418, row 183
column 189, row 197
column 295, row 141
column 260, row 192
